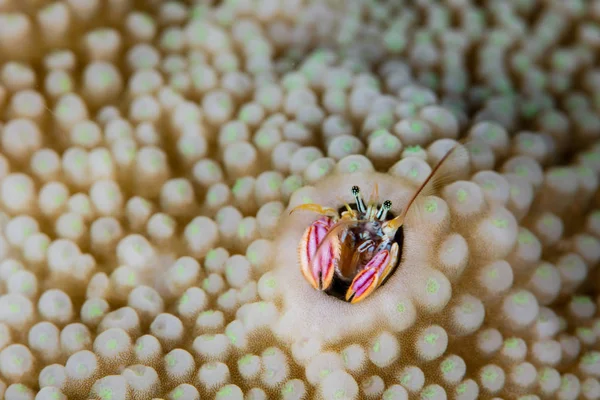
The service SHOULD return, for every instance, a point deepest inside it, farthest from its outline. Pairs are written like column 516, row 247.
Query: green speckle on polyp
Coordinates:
column 491, row 134
column 413, row 149
column 525, row 237
column 82, row 369
column 270, row 282
column 585, row 332
column 177, row 393
column 384, row 120
column 225, row 391
column 416, row 126
column 543, row 272
column 433, row 285
column 582, row 300
column 545, row 375
column 232, row 337
column 269, row 352
column 378, row 132
column 194, row 229
column 413, row 172
column 591, row 358
column 289, row 388
column 514, row 191
column 306, row 200
column 340, row 393
column 237, row 186
column 376, row 346
column 389, row 143
column 462, row 388
column 353, row 167
column 245, row 360
column 431, row 338
column 429, row 392
column 527, row 143
column 43, row 338
column 106, row 394
column 111, row 344
column 520, row 299
column 223, row 102
column 323, row 169
column 548, row 221
column 490, row 376
column 14, row 308
column 400, row 307
column 347, row 146
column 447, row 366
column 274, row 184
column 431, row 206
column 461, row 195
column 522, row 171
column 588, row 240
column 500, row 223
column 511, row 343
column 489, row 185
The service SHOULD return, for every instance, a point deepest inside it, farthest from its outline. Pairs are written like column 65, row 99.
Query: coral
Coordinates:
column 151, row 153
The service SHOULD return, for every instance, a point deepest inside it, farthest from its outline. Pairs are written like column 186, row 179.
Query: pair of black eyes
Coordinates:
column 386, row 204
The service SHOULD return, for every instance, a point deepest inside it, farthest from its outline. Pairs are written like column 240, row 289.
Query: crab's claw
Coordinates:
column 372, row 275
column 318, row 268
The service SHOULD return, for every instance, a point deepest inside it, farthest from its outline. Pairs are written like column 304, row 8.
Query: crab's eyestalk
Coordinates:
column 385, row 207
column 360, row 204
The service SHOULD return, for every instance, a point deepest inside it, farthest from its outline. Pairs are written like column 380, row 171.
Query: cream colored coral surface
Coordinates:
column 151, row 152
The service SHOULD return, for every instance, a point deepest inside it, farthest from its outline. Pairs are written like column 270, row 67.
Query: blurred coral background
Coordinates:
column 151, row 150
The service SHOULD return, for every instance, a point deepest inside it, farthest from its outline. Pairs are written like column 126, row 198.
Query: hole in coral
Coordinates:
column 344, row 275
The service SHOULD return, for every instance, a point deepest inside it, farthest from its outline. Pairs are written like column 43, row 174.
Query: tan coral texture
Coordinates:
column 151, row 152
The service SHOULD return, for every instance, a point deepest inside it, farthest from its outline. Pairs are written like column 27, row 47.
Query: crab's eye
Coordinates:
column 385, row 207
column 360, row 204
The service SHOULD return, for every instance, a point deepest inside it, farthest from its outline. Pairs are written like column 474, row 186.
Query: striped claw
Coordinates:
column 318, row 269
column 373, row 274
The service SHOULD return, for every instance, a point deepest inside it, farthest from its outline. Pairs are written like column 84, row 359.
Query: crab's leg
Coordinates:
column 372, row 275
column 317, row 209
column 318, row 268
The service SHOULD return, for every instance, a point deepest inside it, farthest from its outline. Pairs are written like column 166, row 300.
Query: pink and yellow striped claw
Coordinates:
column 318, row 268
column 373, row 274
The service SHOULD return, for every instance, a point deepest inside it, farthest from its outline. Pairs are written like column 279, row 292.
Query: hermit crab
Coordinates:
column 350, row 252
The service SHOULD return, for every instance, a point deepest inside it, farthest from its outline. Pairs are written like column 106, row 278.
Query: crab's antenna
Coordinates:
column 346, row 205
column 427, row 187
column 360, row 204
column 374, row 194
column 383, row 210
